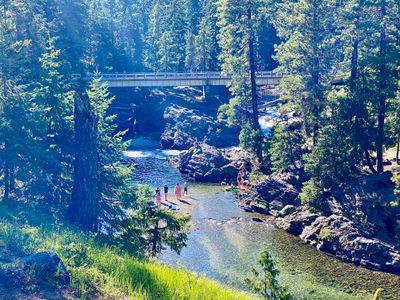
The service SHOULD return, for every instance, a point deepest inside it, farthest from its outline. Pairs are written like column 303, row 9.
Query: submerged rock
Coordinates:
column 183, row 125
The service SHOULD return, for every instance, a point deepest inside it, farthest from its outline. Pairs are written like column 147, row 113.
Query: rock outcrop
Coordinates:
column 295, row 219
column 37, row 276
column 183, row 126
column 45, row 267
column 343, row 238
column 209, row 164
column 273, row 194
column 356, row 224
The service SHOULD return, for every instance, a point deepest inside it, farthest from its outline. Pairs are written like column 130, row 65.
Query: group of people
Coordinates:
column 177, row 191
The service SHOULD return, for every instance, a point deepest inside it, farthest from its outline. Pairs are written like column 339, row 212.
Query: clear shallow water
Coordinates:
column 226, row 241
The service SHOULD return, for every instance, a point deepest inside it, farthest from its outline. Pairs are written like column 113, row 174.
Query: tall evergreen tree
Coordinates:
column 54, row 97
column 237, row 21
column 307, row 56
column 206, row 42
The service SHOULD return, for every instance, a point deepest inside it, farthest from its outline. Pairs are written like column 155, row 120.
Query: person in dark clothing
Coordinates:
column 166, row 192
column 185, row 189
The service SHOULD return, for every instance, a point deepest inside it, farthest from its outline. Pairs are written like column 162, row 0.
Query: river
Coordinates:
column 225, row 241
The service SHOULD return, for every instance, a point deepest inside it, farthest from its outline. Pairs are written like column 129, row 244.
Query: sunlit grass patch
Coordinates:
column 101, row 270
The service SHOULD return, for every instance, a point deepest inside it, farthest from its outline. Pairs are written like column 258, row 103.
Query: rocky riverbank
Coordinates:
column 358, row 224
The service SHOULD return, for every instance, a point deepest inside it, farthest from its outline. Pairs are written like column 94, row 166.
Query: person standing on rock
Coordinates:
column 178, row 192
column 185, row 189
column 166, row 192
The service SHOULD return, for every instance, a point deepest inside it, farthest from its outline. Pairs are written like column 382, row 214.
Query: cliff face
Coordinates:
column 358, row 224
column 149, row 112
column 183, row 126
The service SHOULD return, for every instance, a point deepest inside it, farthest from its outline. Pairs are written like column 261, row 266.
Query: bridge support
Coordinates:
column 206, row 92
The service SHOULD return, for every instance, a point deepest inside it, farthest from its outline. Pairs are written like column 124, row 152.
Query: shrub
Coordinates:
column 325, row 233
column 311, row 193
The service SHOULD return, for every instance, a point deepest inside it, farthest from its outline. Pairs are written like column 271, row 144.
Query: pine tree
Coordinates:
column 206, row 42
column 372, row 83
column 101, row 183
column 148, row 230
column 286, row 149
column 307, row 55
column 15, row 109
column 54, row 97
column 265, row 281
column 172, row 43
column 237, row 21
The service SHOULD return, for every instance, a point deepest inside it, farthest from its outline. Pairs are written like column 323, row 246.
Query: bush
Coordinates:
column 311, row 193
column 333, row 159
column 325, row 233
column 286, row 148
column 248, row 136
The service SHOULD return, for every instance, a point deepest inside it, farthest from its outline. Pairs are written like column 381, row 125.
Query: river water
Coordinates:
column 225, row 241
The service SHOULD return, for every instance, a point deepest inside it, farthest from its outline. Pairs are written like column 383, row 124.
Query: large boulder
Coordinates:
column 46, row 267
column 341, row 237
column 272, row 194
column 209, row 164
column 294, row 219
column 183, row 126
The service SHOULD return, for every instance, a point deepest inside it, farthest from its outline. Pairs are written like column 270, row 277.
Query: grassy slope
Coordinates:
column 99, row 270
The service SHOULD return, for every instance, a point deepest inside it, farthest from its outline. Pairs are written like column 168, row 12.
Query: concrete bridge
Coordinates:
column 119, row 80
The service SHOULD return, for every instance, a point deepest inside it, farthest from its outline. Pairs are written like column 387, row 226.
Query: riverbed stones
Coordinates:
column 183, row 126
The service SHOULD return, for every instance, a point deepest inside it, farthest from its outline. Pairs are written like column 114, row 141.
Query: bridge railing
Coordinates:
column 172, row 76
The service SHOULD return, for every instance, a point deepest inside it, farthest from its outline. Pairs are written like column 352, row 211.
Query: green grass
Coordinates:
column 100, row 270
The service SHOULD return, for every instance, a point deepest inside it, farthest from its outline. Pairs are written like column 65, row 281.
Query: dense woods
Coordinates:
column 59, row 148
column 340, row 61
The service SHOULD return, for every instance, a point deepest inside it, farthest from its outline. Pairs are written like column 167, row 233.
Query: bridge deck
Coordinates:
column 178, row 79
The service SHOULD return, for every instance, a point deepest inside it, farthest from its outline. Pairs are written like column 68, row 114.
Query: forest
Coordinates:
column 77, row 219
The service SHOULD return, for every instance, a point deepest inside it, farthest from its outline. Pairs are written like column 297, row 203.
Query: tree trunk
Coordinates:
column 354, row 65
column 12, row 177
column 315, row 76
column 398, row 150
column 6, row 195
column 155, row 240
column 84, row 208
column 382, row 96
column 369, row 162
column 254, row 97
